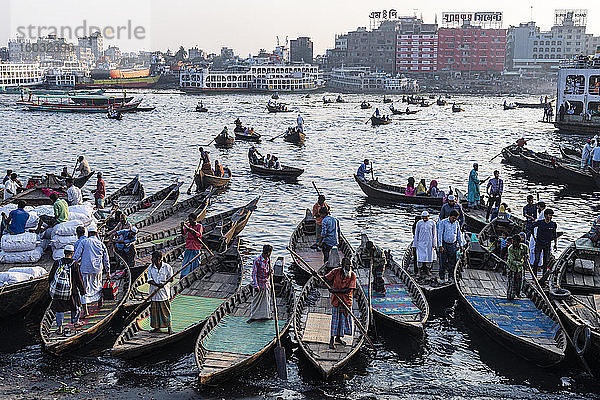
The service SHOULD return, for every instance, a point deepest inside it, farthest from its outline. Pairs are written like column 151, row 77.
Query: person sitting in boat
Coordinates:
column 421, row 189
column 276, row 164
column 343, row 282
column 434, row 191
column 363, row 169
column 517, row 258
column 17, row 219
column 218, row 172
column 410, row 187
column 65, row 172
column 124, row 241
column 271, row 163
column 377, row 112
column 593, row 233
column 206, row 168
column 267, row 161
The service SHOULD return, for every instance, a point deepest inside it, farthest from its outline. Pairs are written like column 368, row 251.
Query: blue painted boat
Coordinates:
column 65, row 103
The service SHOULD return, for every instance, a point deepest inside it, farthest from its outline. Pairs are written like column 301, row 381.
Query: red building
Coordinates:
column 417, row 52
column 471, row 48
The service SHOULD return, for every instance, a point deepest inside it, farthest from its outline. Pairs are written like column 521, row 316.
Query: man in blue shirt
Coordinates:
column 449, row 241
column 530, row 214
column 363, row 169
column 125, row 245
column 329, row 233
column 17, row 219
column 546, row 233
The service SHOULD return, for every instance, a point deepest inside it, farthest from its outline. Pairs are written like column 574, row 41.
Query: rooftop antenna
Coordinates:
column 277, row 40
column 531, row 12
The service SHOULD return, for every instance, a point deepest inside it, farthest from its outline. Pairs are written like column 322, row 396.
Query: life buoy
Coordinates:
column 559, row 293
column 585, row 330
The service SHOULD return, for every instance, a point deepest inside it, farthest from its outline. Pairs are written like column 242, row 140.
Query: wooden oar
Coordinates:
column 273, row 138
column 372, row 175
column 75, row 167
column 367, row 121
column 165, row 199
column 316, row 274
column 316, row 188
column 194, row 178
column 114, row 209
column 491, row 159
column 280, row 359
column 370, row 292
column 541, row 291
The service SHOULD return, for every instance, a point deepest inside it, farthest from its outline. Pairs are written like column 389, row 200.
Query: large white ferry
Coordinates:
column 362, row 79
column 578, row 95
column 14, row 75
column 256, row 78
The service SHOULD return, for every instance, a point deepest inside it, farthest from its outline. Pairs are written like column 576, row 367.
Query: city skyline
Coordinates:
column 210, row 27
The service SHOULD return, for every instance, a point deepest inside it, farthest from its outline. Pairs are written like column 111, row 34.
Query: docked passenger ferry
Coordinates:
column 255, row 78
column 14, row 76
column 578, row 95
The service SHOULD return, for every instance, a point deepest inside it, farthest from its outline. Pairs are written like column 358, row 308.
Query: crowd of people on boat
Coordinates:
column 207, row 168
column 270, row 161
column 277, row 106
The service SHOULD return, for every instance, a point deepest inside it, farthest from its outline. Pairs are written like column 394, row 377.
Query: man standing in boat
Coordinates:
column 424, row 243
column 193, row 243
column 449, row 241
column 586, row 153
column 495, row 188
column 93, row 257
column 159, row 277
column 300, row 121
column 530, row 214
column 329, row 233
column 343, row 282
column 546, row 233
column 317, row 215
column 363, row 169
column 473, row 195
column 518, row 257
column 82, row 166
column 261, row 274
column 452, row 204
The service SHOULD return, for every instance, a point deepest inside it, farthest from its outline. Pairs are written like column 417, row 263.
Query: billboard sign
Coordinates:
column 484, row 19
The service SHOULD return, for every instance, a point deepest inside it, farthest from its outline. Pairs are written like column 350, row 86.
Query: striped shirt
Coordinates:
column 261, row 268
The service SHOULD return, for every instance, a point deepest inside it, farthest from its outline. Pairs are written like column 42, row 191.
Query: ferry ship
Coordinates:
column 15, row 76
column 362, row 79
column 120, row 79
column 578, row 95
column 255, row 78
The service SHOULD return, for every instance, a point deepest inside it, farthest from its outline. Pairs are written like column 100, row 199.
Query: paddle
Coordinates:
column 541, row 291
column 316, row 188
column 315, row 273
column 491, row 159
column 75, row 167
column 370, row 291
column 280, row 359
column 367, row 121
column 372, row 175
column 273, row 138
column 165, row 199
column 193, row 179
column 114, row 209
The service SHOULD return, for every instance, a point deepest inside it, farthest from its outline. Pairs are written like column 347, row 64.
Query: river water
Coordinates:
column 456, row 358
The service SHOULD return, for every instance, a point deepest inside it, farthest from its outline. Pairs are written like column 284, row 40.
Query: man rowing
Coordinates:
column 363, row 169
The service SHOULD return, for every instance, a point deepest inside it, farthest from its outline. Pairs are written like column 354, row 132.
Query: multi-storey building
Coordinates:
column 49, row 47
column 301, row 50
column 375, row 49
column 471, row 48
column 417, row 46
column 95, row 42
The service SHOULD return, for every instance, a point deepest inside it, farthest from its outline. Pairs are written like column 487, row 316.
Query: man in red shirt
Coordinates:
column 100, row 191
column 343, row 282
column 192, row 230
column 315, row 212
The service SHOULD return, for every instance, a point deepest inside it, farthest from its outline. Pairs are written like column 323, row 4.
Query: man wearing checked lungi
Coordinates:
column 261, row 276
column 343, row 282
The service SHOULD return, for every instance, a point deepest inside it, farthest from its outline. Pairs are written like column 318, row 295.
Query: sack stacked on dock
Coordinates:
column 63, row 234
column 23, row 248
column 21, row 274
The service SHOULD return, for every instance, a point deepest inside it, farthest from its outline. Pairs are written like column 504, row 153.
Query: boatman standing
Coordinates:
column 495, row 188
column 363, row 169
column 424, row 243
column 343, row 282
column 261, row 273
column 329, row 233
column 586, row 152
column 82, row 166
column 449, row 241
column 473, row 195
column 300, row 123
column 159, row 277
column 317, row 216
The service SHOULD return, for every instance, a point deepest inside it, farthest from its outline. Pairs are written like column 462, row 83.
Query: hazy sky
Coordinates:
column 245, row 25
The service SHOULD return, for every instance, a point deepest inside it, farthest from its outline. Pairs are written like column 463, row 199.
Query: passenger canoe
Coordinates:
column 224, row 141
column 380, row 120
column 255, row 137
column 201, row 109
column 531, row 105
column 489, row 235
column 304, row 239
column 440, row 102
column 96, row 323
column 204, row 180
column 18, row 298
column 312, row 317
column 403, row 112
column 284, row 172
column 577, row 271
column 385, row 192
column 127, row 195
column 193, row 299
column 403, row 305
column 294, row 136
column 228, row 345
column 365, row 106
column 155, row 203
column 79, row 181
column 570, row 153
column 275, row 109
column 457, row 108
column 481, row 282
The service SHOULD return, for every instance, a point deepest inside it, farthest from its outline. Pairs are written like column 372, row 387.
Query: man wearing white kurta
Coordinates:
column 425, row 242
column 541, row 208
column 93, row 257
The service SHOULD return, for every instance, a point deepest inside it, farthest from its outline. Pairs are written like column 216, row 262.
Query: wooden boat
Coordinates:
column 506, row 223
column 294, row 135
column 405, row 112
column 278, row 108
column 570, row 153
column 254, row 137
column 312, row 313
column 224, row 140
column 173, row 216
column 156, row 203
column 193, row 300
column 424, row 104
column 94, row 324
column 365, row 106
column 340, row 100
column 303, row 240
column 439, row 295
column 510, row 106
column 57, row 180
column 67, row 105
column 126, row 196
column 118, row 116
column 576, row 270
column 40, row 193
column 441, row 102
column 481, row 285
column 404, row 305
column 227, row 345
column 284, row 172
column 275, row 96
column 201, row 109
column 381, row 191
column 327, row 101
column 456, row 108
column 383, row 120
column 144, row 109
column 204, row 180
column 17, row 298
column 387, row 100
column 531, row 105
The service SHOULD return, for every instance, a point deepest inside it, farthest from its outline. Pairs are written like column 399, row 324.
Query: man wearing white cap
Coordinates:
column 93, row 256
column 452, row 204
column 125, row 244
column 424, row 243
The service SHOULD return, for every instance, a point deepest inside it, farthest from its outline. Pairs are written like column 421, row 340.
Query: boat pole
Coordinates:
column 165, row 199
column 538, row 287
column 316, row 274
column 280, row 359
column 316, row 188
column 370, row 292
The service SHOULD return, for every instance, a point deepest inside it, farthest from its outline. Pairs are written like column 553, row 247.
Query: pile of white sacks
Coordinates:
column 28, row 247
